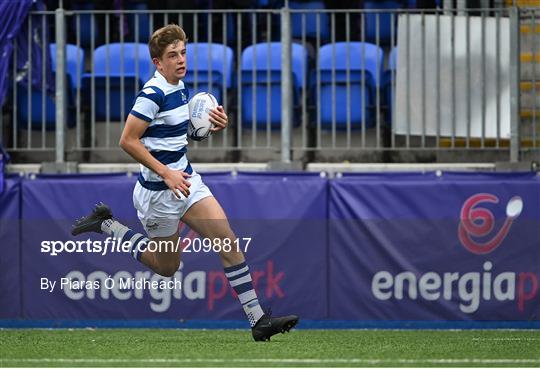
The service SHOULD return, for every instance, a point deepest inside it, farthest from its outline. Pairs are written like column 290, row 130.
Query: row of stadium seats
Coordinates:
column 378, row 26
column 353, row 68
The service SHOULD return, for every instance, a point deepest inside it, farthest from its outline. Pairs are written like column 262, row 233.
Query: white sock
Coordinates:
column 122, row 233
column 240, row 280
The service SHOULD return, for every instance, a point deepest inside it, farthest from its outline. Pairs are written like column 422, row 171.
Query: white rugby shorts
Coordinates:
column 160, row 211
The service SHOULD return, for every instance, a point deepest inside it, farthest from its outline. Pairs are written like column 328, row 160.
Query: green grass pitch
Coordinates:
column 300, row 348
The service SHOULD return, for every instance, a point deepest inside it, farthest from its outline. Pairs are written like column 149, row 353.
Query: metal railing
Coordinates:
column 382, row 85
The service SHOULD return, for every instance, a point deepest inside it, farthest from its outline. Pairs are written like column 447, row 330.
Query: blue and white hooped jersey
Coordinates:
column 165, row 107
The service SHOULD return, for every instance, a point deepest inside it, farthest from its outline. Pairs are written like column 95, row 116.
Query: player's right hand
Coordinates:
column 177, row 181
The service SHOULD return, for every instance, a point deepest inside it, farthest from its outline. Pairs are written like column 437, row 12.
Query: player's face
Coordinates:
column 172, row 64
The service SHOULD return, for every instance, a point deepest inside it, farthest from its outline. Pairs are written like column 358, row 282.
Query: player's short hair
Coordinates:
column 164, row 37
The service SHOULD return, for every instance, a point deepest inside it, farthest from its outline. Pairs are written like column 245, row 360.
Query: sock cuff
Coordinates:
column 234, row 268
column 139, row 246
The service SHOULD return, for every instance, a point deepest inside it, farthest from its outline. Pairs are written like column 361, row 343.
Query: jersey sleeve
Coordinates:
column 147, row 104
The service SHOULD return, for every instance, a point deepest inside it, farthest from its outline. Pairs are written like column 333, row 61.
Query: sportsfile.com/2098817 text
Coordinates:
column 112, row 245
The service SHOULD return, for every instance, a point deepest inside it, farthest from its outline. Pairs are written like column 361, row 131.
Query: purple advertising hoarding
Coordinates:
column 281, row 218
column 374, row 247
column 10, row 287
column 427, row 247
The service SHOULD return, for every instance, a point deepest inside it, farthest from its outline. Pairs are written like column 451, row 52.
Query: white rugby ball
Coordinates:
column 199, row 110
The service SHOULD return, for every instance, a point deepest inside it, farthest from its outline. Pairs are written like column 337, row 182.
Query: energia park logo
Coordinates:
column 480, row 233
column 477, row 223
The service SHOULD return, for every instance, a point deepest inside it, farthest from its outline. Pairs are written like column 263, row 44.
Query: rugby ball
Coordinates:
column 199, row 115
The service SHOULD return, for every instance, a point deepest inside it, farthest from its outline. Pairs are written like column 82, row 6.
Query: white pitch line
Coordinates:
column 276, row 361
column 506, row 339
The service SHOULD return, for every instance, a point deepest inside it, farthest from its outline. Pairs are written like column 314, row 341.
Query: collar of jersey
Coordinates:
column 162, row 78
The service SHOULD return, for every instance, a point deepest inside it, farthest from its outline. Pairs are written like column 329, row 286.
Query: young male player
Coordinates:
column 168, row 189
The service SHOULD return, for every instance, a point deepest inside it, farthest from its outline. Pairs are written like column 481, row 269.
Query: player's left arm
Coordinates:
column 219, row 118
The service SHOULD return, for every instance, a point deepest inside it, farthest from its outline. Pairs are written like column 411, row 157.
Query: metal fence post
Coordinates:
column 286, row 84
column 461, row 7
column 447, row 6
column 515, row 76
column 60, row 83
column 60, row 165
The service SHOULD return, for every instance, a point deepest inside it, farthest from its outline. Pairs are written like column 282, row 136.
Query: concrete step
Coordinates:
column 530, row 95
column 527, row 28
column 530, row 66
column 530, row 37
column 529, row 124
column 524, row 3
column 529, row 128
column 529, row 114
column 460, row 142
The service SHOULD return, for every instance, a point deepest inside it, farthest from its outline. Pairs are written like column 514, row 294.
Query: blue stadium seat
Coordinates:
column 44, row 104
column 130, row 60
column 412, row 4
column 72, row 54
column 87, row 23
column 136, row 60
column 213, row 65
column 263, row 61
column 230, row 34
column 261, row 3
column 385, row 21
column 310, row 20
column 37, row 109
column 334, row 56
column 143, row 20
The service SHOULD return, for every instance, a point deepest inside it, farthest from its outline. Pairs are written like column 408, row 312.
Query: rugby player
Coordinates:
column 168, row 190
